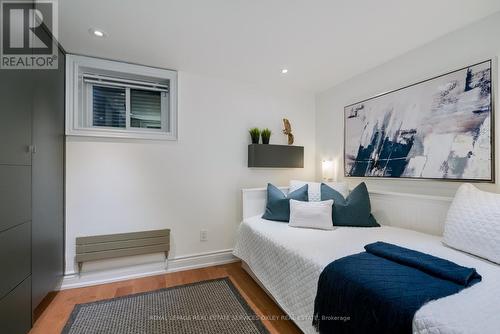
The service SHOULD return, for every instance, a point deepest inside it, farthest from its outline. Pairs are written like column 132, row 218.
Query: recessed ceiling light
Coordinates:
column 284, row 71
column 97, row 32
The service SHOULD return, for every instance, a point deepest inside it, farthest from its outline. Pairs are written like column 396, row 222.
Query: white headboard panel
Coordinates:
column 422, row 213
column 254, row 201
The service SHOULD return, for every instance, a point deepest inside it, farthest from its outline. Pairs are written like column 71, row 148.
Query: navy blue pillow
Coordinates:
column 355, row 210
column 278, row 204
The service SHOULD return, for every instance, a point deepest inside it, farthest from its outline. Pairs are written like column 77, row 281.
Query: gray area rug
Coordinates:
column 213, row 306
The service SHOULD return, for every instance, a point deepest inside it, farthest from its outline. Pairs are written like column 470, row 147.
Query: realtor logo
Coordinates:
column 28, row 34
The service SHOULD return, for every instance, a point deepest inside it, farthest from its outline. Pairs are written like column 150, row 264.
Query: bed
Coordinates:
column 288, row 261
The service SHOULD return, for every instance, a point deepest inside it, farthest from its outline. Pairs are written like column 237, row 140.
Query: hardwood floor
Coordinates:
column 54, row 317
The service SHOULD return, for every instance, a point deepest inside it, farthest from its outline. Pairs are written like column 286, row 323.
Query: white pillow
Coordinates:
column 473, row 223
column 311, row 214
column 314, row 188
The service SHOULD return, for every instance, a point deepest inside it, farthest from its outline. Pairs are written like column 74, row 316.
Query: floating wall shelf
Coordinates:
column 275, row 156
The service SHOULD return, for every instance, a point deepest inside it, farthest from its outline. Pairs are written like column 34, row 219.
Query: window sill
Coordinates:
column 121, row 134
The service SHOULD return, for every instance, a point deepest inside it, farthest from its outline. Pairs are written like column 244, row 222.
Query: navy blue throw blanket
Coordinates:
column 379, row 291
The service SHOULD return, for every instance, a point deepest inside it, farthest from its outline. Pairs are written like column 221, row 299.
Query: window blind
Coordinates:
column 109, row 106
column 119, row 82
column 145, row 109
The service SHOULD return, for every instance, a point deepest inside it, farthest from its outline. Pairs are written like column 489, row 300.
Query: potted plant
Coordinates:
column 255, row 135
column 266, row 135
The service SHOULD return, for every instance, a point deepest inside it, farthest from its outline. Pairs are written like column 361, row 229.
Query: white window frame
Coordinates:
column 84, row 72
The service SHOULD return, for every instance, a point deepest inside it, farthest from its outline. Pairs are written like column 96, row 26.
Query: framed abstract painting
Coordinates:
column 440, row 128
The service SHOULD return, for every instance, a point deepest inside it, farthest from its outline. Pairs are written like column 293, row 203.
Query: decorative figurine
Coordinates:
column 288, row 130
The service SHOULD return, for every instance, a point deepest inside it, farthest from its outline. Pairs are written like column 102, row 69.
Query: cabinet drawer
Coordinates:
column 15, row 195
column 15, row 309
column 15, row 256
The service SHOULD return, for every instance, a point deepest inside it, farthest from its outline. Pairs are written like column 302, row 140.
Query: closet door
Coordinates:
column 15, row 140
column 48, row 181
column 15, row 315
column 15, row 200
column 15, row 110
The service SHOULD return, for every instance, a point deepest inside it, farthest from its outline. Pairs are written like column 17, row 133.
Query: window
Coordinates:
column 108, row 106
column 145, row 108
column 112, row 99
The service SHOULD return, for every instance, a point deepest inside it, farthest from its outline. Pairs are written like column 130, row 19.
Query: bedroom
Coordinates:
column 179, row 175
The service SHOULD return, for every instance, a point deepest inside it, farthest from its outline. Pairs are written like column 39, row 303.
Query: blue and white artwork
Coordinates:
column 440, row 128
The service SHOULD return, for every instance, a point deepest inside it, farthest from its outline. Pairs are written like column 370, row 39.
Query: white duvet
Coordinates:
column 288, row 261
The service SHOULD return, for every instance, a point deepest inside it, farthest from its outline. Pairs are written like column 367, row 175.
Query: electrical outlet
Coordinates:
column 203, row 235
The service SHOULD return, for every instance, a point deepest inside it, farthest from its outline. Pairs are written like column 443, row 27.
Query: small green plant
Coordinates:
column 255, row 135
column 266, row 135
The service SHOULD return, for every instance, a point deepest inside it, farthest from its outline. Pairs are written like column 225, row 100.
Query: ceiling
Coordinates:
column 320, row 42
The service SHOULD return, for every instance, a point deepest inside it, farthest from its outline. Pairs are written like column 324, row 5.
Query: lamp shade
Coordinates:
column 327, row 170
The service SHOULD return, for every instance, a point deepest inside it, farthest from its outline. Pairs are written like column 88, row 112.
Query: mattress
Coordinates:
column 288, row 262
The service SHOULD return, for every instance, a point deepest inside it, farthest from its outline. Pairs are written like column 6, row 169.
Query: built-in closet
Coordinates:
column 31, row 191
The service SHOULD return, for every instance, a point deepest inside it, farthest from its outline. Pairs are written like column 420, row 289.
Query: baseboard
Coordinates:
column 187, row 262
column 201, row 260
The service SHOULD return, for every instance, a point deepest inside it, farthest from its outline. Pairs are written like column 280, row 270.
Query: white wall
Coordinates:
column 186, row 185
column 475, row 43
